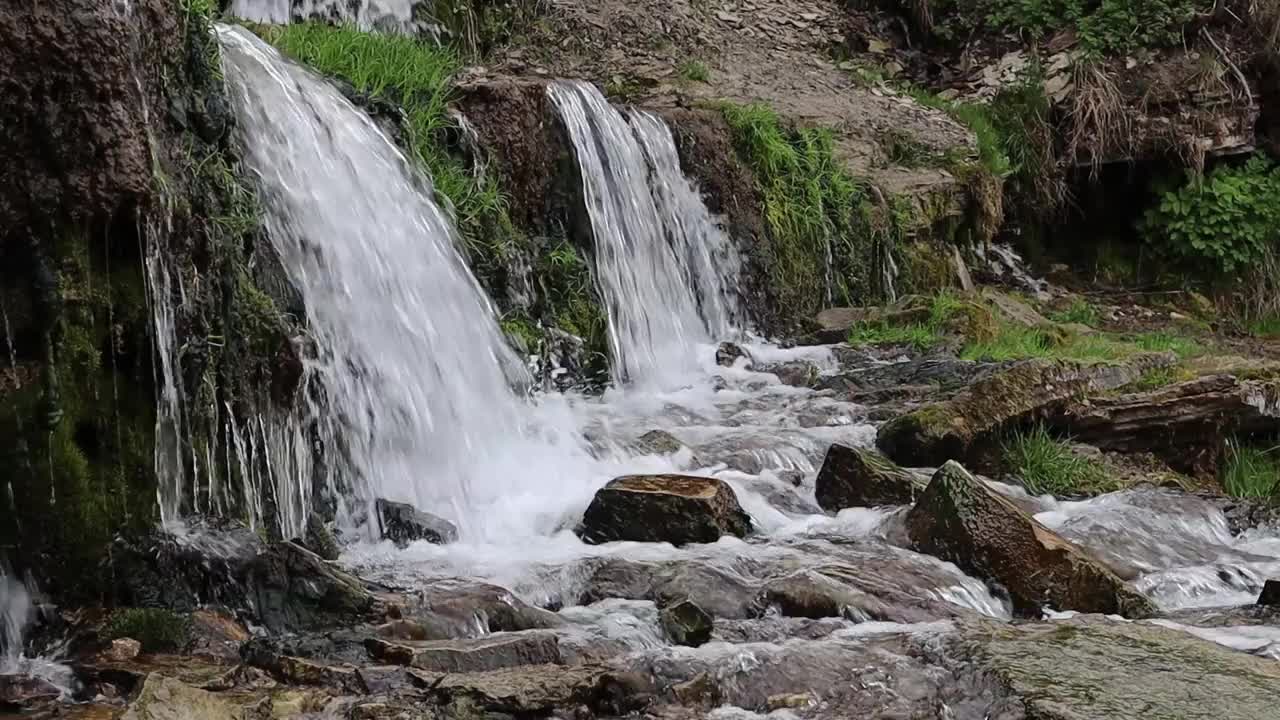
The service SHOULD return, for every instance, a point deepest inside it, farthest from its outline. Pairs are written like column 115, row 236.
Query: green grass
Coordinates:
column 814, row 211
column 694, row 71
column 1183, row 347
column 1249, row 471
column 919, row 336
column 1267, row 326
column 1048, row 466
column 1079, row 311
column 156, row 629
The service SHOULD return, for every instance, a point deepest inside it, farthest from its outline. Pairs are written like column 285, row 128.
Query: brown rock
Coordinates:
column 122, row 650
column 960, row 519
column 499, row 650
column 856, row 477
column 678, row 509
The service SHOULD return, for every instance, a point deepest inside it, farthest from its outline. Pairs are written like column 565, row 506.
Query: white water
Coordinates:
column 417, row 377
column 365, row 14
column 662, row 264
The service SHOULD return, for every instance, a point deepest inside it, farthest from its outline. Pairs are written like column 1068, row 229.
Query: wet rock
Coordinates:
column 720, row 593
column 728, row 353
column 678, row 509
column 165, row 698
column 661, row 442
column 856, row 477
column 216, row 633
column 538, row 690
column 808, row 594
column 462, row 608
column 319, row 538
column 402, row 524
column 960, row 519
column 295, row 588
column 1091, row 667
column 1014, row 310
column 500, row 650
column 300, row 671
column 1270, row 594
column 933, row 376
column 685, row 623
column 208, row 566
column 18, row 691
column 950, row 429
column 122, row 650
column 796, row 373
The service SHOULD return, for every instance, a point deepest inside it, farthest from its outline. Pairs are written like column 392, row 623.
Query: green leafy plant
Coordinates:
column 1227, row 219
column 155, row 629
column 1250, row 471
column 1047, row 465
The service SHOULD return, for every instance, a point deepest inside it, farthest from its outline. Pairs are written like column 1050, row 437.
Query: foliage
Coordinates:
column 1048, row 466
column 1267, row 326
column 1104, row 27
column 694, row 71
column 1250, row 471
column 1079, row 311
column 916, row 335
column 155, row 629
column 826, row 236
column 1228, row 219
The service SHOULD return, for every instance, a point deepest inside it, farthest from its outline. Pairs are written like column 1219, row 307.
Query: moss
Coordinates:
column 155, row 629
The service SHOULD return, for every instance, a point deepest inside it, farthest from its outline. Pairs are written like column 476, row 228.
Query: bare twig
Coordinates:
column 1244, row 82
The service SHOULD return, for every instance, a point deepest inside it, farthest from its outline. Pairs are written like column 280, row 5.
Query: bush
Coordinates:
column 156, row 629
column 1227, row 220
column 1048, row 466
column 1079, row 311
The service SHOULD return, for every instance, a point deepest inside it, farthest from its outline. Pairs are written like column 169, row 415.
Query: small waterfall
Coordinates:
column 367, row 14
column 15, row 610
column 662, row 264
column 416, row 376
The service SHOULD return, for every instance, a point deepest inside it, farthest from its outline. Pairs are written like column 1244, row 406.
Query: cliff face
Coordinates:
column 122, row 213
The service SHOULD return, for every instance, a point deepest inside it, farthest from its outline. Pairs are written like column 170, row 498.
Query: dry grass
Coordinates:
column 1100, row 121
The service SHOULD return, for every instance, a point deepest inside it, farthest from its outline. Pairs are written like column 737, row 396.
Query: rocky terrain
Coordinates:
column 919, row 477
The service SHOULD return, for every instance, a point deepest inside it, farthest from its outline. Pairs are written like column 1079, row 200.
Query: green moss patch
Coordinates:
column 155, row 629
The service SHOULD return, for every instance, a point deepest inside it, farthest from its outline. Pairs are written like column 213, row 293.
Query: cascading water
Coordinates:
column 661, row 261
column 416, row 374
column 367, row 14
column 15, row 608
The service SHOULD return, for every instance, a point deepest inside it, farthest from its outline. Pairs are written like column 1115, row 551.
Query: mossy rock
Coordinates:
column 962, row 520
column 949, row 430
column 859, row 477
column 678, row 509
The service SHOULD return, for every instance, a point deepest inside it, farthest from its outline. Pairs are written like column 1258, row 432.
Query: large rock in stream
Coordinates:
column 962, row 520
column 402, row 523
column 295, row 588
column 857, row 477
column 951, row 429
column 678, row 509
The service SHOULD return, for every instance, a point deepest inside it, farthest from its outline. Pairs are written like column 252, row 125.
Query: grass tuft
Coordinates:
column 1079, row 311
column 1048, row 465
column 156, row 629
column 694, row 71
column 1250, row 472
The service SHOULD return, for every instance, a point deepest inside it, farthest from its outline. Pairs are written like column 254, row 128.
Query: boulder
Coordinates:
column 500, row 650
column 796, row 373
column 459, row 608
column 122, row 650
column 19, row 691
column 728, row 353
column 685, row 623
column 678, row 509
column 949, row 430
column 166, row 698
column 834, row 324
column 1270, row 594
column 808, row 594
column 962, row 520
column 856, row 477
column 1014, row 310
column 539, row 690
column 1090, row 667
column 293, row 588
column 402, row 524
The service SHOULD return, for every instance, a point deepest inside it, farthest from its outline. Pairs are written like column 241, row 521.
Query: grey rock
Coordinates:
column 499, row 650
column 295, row 588
column 402, row 524
column 856, row 477
column 1270, row 594
column 686, row 624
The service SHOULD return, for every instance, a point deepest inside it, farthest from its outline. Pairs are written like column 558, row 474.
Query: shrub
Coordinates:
column 1079, row 311
column 156, row 629
column 1048, row 465
column 694, row 71
column 1227, row 219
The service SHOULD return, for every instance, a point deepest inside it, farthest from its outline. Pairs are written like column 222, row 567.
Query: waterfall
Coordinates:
column 15, row 609
column 417, row 379
column 367, row 15
column 663, row 265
